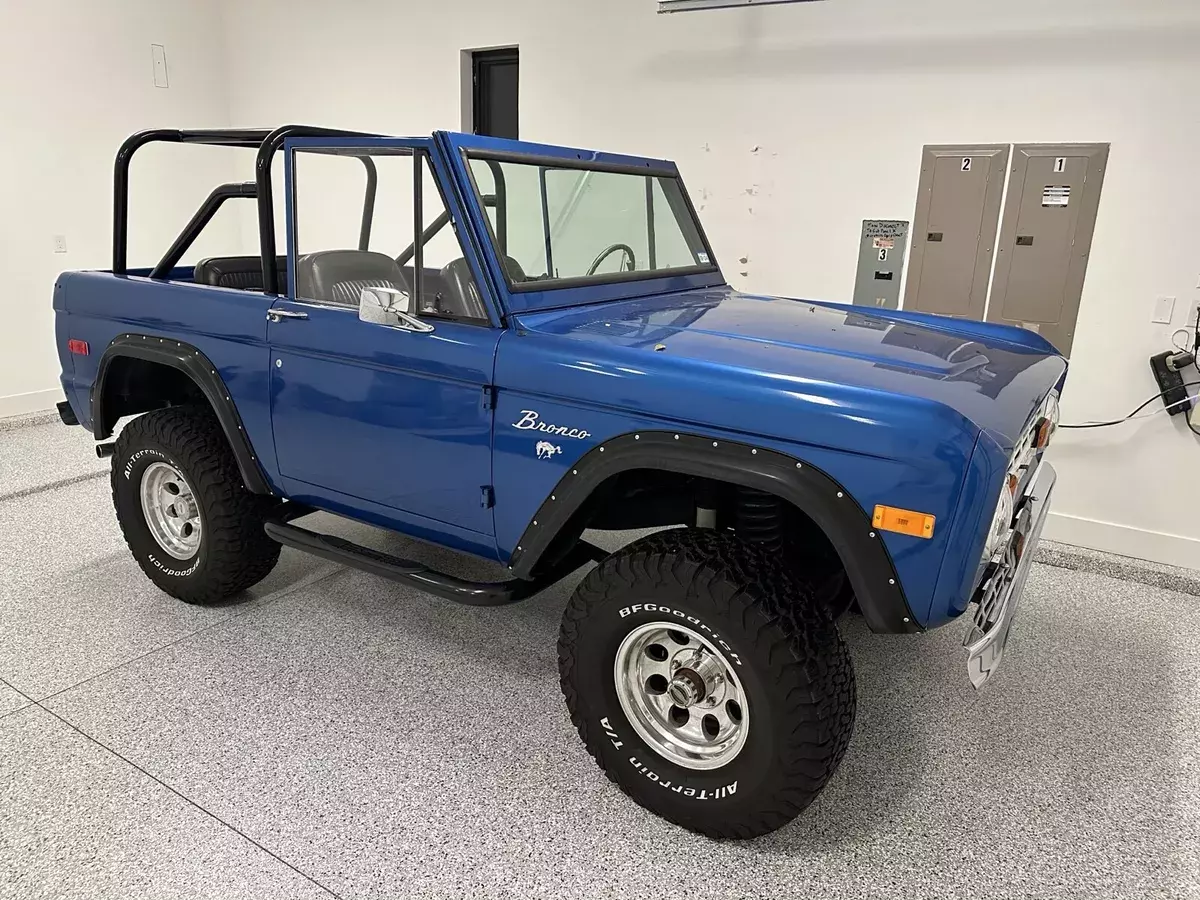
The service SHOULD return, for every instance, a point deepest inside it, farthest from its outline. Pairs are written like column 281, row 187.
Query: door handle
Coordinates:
column 278, row 315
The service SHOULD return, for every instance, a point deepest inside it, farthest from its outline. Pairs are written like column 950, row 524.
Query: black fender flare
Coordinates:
column 868, row 564
column 196, row 366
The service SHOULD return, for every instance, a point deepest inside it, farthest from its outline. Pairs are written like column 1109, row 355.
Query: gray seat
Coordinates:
column 241, row 272
column 338, row 276
column 461, row 293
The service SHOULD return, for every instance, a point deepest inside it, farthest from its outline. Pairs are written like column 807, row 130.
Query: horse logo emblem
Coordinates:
column 546, row 450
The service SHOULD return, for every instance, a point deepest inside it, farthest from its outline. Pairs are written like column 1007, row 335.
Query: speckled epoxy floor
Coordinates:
column 336, row 734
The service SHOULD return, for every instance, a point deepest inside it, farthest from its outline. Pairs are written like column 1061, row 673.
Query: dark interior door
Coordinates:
column 495, row 103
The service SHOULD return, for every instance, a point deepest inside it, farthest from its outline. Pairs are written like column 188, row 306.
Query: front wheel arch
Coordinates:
column 844, row 522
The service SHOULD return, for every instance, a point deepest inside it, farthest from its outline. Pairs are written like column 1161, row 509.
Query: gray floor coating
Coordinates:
column 332, row 734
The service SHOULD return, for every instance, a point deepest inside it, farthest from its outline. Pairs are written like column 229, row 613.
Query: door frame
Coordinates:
column 481, row 59
column 429, row 152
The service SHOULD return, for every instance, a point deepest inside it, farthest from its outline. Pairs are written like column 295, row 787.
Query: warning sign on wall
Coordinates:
column 1056, row 195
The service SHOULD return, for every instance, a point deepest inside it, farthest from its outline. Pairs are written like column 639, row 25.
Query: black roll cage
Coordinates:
column 268, row 144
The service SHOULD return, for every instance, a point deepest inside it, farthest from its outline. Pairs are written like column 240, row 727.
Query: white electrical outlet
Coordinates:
column 1164, row 310
column 60, row 243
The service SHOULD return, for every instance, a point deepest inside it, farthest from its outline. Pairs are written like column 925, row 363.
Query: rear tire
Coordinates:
column 191, row 524
column 765, row 632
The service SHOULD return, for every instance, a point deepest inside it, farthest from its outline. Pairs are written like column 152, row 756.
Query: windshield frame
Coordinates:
column 653, row 168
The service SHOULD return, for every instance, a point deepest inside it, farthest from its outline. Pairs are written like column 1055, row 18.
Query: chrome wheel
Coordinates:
column 171, row 511
column 681, row 696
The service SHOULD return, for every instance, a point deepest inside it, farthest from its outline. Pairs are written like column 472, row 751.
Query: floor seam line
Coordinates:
column 17, row 690
column 61, row 483
column 263, row 605
column 184, row 797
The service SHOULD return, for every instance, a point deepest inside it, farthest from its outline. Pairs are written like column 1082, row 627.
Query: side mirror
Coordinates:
column 389, row 306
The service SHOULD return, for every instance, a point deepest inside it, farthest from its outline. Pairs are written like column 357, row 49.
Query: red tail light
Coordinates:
column 77, row 346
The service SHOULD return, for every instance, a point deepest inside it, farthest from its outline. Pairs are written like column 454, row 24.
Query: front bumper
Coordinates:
column 1004, row 581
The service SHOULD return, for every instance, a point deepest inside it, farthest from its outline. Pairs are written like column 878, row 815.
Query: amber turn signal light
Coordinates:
column 904, row 521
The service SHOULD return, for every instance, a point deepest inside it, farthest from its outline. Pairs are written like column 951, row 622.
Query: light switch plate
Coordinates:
column 158, row 57
column 1164, row 310
column 60, row 243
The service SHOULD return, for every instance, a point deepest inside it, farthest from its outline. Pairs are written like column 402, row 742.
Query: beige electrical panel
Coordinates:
column 1049, row 217
column 954, row 229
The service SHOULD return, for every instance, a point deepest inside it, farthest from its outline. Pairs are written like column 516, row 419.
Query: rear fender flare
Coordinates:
column 196, row 366
column 868, row 564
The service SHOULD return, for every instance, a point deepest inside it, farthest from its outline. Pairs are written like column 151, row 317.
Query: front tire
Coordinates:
column 192, row 526
column 698, row 618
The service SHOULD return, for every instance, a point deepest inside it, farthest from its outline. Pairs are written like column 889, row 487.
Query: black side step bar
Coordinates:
column 472, row 593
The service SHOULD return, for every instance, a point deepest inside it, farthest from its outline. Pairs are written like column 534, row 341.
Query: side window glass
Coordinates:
column 355, row 227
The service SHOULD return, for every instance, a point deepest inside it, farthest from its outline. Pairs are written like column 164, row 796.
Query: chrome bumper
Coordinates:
column 1004, row 581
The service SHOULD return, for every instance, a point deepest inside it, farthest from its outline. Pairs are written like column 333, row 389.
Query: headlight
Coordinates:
column 1000, row 522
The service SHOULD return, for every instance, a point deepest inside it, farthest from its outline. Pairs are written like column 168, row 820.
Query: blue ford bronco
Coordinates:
column 494, row 346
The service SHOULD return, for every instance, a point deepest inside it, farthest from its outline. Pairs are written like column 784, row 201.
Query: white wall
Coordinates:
column 78, row 80
column 791, row 124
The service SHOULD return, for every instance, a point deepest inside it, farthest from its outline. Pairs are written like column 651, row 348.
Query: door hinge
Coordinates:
column 487, row 496
column 489, row 396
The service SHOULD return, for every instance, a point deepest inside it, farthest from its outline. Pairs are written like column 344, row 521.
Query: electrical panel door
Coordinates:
column 1049, row 216
column 954, row 229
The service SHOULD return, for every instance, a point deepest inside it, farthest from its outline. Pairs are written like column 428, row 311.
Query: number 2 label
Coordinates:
column 966, row 164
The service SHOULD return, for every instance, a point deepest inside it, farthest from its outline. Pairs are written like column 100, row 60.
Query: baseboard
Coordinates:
column 34, row 401
column 1123, row 540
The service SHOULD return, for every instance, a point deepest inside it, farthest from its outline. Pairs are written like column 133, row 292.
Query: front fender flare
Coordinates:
column 868, row 564
column 196, row 366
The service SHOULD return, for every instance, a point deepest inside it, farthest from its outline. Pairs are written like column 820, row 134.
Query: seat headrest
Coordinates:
column 338, row 276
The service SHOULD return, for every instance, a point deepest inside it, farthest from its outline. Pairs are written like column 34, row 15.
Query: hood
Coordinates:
column 847, row 363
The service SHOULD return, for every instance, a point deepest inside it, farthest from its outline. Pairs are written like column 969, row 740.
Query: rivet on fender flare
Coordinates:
column 891, row 581
column 840, row 494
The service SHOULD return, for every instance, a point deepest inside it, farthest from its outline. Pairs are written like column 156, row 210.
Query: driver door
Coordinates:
column 384, row 420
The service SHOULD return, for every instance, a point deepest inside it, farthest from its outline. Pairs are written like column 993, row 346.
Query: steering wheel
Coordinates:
column 609, row 251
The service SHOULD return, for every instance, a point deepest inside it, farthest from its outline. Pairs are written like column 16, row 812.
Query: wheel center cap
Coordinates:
column 686, row 688
column 698, row 676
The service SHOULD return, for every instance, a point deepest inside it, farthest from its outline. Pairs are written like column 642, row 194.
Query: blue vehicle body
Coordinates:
column 436, row 435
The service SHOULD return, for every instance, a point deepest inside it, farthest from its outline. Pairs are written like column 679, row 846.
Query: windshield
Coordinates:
column 586, row 226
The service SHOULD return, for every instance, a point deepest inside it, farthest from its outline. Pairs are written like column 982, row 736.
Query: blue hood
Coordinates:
column 854, row 378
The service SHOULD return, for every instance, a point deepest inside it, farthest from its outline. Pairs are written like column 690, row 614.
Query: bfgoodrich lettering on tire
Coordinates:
column 189, row 521
column 707, row 682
